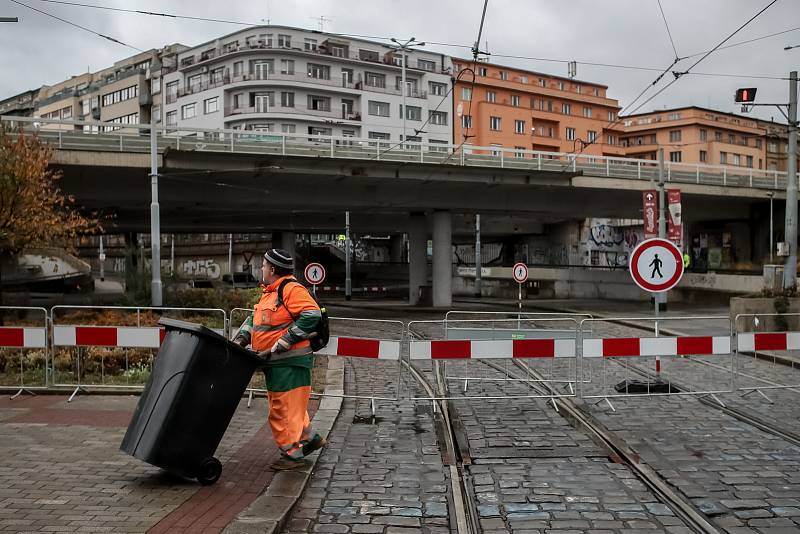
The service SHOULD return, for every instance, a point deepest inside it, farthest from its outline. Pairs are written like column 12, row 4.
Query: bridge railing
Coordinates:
column 103, row 136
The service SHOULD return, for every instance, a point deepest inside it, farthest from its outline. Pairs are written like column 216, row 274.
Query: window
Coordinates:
column 759, row 143
column 596, row 91
column 482, row 71
column 263, row 101
column 674, row 136
column 433, row 148
column 592, row 136
column 466, row 93
column 287, row 99
column 519, row 151
column 66, row 113
column 379, row 135
column 188, row 111
column 288, row 128
column 217, row 75
column 124, row 94
column 397, row 59
column 587, row 111
column 347, row 77
column 542, row 82
column 466, row 121
column 310, row 45
column 368, row 55
column 132, row 118
column 703, row 135
column 338, row 50
column 155, row 85
column 491, row 96
column 750, row 161
column 425, row 64
column 737, row 159
column 743, row 141
column 287, row 66
column 438, row 117
column 723, row 157
column 772, row 146
column 578, row 89
column 503, row 75
column 731, row 139
column 211, row 105
column 612, row 116
column 319, row 103
column 675, row 157
column 523, row 79
column 238, row 68
column 320, row 72
column 673, row 116
column 263, row 68
column 566, row 109
column 611, row 140
column 172, row 118
column 495, row 123
column 284, row 41
column 380, row 109
column 373, row 79
column 519, row 127
column 561, row 86
column 703, row 156
column 314, row 130
column 496, row 149
column 413, row 113
column 193, row 82
column 515, row 100
column 571, row 134
column 156, row 113
column 717, row 136
column 546, row 105
column 437, row 89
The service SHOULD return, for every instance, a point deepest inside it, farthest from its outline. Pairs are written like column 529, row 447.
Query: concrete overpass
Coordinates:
column 232, row 181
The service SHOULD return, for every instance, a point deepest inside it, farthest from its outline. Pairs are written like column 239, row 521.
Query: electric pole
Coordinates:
column 790, row 270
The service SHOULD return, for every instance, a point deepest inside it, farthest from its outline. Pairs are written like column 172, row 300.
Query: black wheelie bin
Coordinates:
column 196, row 384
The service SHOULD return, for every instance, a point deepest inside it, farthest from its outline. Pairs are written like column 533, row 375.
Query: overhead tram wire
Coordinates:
column 84, row 28
column 666, row 24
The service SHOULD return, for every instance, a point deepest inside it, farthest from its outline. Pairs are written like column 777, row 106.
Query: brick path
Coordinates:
column 62, row 471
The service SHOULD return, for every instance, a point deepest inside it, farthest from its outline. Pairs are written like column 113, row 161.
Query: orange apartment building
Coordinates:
column 696, row 135
column 527, row 110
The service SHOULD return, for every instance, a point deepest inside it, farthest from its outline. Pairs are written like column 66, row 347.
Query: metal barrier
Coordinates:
column 620, row 358
column 455, row 343
column 114, row 335
column 765, row 337
column 24, row 334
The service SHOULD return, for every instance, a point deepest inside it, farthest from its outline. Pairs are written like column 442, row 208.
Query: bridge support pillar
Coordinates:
column 442, row 259
column 417, row 255
column 285, row 240
column 396, row 248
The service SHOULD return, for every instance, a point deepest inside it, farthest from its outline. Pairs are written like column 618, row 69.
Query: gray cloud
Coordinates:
column 40, row 50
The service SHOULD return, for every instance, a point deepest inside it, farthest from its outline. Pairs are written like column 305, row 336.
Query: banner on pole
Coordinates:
column 650, row 214
column 674, row 222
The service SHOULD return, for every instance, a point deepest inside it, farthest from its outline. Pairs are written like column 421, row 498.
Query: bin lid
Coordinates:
column 198, row 329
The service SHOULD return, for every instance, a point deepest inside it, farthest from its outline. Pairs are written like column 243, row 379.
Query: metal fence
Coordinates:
column 24, row 344
column 771, row 338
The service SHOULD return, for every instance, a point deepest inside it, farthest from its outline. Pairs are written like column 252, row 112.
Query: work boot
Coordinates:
column 294, row 454
column 315, row 443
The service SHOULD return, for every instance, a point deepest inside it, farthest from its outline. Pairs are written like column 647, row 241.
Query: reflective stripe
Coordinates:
column 270, row 328
column 304, row 351
column 298, row 332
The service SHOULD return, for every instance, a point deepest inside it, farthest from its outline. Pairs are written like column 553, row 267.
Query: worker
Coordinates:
column 686, row 260
column 280, row 331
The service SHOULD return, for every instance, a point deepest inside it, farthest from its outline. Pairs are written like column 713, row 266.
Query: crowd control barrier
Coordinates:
column 105, row 347
column 23, row 349
column 771, row 338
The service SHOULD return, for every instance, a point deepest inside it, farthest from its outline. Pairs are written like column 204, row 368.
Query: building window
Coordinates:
column 193, row 82
column 437, row 89
column 287, row 99
column 263, row 68
column 155, row 85
column 571, row 134
column 503, row 75
column 519, row 151
column 188, row 111
column 561, row 86
column 66, row 113
column 717, row 136
column 438, row 118
column 673, row 116
column 466, row 121
column 731, row 139
column 122, row 95
column 496, row 149
column 368, row 55
column 373, row 79
column 338, row 51
column 425, row 64
column 611, row 140
column 703, row 156
column 284, row 41
column 482, row 71
column 750, row 161
column 321, row 103
column 772, row 146
column 703, row 134
column 674, row 136
column 515, row 100
column 743, row 141
column 737, row 159
column 466, row 93
column 288, row 128
column 612, row 116
column 320, row 72
column 217, row 75
column 578, row 89
column 156, row 113
column 380, row 109
column 675, row 157
column 287, row 66
column 379, row 135
column 413, row 113
column 519, row 127
column 566, row 109
column 211, row 105
column 759, row 143
column 592, row 136
column 172, row 118
column 491, row 96
column 310, row 45
column 596, row 91
column 723, row 158
column 263, row 101
column 587, row 112
column 495, row 123
column 542, row 82
column 523, row 79
column 238, row 69
column 433, row 148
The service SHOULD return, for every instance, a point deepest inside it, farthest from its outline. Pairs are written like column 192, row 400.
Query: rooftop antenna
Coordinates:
column 266, row 20
column 321, row 20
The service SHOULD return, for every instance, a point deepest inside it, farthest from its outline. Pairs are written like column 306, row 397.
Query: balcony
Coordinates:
column 296, row 110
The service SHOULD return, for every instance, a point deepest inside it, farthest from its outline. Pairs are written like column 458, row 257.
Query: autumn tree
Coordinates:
column 33, row 209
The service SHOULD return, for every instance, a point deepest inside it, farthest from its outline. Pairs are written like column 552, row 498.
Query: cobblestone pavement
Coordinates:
column 62, row 470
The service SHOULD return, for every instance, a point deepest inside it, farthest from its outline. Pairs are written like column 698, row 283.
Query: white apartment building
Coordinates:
column 290, row 80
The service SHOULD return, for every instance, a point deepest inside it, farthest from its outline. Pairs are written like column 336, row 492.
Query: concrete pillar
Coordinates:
column 396, row 248
column 417, row 255
column 442, row 259
column 288, row 240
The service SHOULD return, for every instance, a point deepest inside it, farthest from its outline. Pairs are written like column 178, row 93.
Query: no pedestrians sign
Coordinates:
column 656, row 265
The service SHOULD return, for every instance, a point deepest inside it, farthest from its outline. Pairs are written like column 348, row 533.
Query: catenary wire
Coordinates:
column 669, row 33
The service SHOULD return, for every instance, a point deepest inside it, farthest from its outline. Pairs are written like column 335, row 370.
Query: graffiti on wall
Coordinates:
column 551, row 254
column 607, row 236
column 607, row 245
column 201, row 268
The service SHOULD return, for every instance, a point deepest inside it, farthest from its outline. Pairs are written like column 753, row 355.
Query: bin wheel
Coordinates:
column 209, row 471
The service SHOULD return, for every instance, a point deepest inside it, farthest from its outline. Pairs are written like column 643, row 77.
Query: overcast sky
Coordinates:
column 39, row 50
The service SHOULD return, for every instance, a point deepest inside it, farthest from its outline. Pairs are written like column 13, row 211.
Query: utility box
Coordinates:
column 773, row 277
column 783, row 249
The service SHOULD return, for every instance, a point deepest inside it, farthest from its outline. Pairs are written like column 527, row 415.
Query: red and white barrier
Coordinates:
column 362, row 348
column 750, row 342
column 23, row 337
column 108, row 336
column 492, row 349
column 656, row 346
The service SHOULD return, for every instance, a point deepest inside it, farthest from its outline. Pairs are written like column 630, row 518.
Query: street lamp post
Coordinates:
column 404, row 47
column 771, row 195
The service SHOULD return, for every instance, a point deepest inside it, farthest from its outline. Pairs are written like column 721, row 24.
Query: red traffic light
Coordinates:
column 747, row 94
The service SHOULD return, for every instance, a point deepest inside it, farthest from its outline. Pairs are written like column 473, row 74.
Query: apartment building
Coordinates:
column 21, row 105
column 696, row 135
column 528, row 110
column 777, row 144
column 290, row 80
column 120, row 94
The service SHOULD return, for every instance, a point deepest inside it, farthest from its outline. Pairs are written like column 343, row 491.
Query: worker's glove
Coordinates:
column 280, row 346
column 241, row 341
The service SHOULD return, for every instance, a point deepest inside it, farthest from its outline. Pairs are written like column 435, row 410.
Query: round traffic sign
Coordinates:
column 520, row 273
column 314, row 273
column 656, row 265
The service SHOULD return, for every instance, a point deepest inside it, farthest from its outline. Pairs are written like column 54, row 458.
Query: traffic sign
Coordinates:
column 656, row 265
column 314, row 273
column 520, row 273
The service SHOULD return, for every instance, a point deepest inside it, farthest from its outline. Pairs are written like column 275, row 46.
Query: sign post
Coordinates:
column 315, row 274
column 520, row 274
